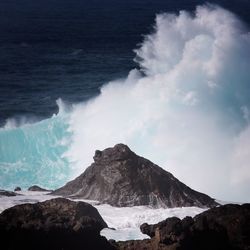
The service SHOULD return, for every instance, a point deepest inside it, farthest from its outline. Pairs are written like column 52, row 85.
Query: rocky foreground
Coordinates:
column 121, row 178
column 221, row 228
column 63, row 224
column 55, row 224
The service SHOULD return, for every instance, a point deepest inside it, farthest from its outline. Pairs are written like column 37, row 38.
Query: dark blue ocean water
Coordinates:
column 67, row 49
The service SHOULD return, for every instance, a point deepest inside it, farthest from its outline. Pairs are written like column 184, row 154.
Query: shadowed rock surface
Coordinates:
column 221, row 228
column 38, row 189
column 7, row 193
column 55, row 224
column 119, row 177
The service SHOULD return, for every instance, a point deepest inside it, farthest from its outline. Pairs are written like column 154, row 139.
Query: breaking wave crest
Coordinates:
column 34, row 153
column 187, row 108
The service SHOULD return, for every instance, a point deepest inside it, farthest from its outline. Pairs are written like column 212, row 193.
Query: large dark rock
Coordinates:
column 230, row 221
column 38, row 189
column 55, row 224
column 221, row 228
column 119, row 177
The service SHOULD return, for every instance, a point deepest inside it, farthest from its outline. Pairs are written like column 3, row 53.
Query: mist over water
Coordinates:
column 186, row 108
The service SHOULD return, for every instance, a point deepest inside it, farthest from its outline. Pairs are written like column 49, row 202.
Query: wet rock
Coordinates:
column 148, row 229
column 17, row 189
column 221, row 228
column 120, row 178
column 37, row 188
column 7, row 193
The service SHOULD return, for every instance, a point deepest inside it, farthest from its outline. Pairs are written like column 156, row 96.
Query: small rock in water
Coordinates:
column 7, row 193
column 38, row 189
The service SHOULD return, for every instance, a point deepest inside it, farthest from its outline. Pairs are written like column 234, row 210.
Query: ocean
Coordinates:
column 76, row 76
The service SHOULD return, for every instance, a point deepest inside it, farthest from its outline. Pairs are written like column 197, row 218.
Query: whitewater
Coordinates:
column 123, row 223
column 186, row 108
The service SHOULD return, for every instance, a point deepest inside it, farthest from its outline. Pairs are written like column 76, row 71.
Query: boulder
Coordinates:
column 121, row 178
column 54, row 224
column 17, row 189
column 38, row 189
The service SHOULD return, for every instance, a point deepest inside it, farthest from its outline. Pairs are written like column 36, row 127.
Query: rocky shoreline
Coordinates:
column 54, row 224
column 63, row 224
column 119, row 177
column 222, row 228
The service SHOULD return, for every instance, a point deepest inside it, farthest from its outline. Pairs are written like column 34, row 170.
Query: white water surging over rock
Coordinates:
column 121, row 178
column 185, row 109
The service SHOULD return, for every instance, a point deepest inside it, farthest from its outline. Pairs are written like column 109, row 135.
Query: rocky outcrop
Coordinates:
column 119, row 177
column 38, row 189
column 55, row 224
column 221, row 228
column 17, row 189
column 7, row 193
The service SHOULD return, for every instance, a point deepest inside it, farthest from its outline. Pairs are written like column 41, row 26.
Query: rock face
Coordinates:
column 38, row 189
column 54, row 224
column 119, row 177
column 221, row 228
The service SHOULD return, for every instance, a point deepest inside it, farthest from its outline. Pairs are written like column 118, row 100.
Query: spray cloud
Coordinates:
column 186, row 109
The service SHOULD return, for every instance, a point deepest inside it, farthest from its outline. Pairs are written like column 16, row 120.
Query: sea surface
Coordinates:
column 78, row 75
column 68, row 49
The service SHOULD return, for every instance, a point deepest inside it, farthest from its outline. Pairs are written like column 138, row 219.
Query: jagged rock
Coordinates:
column 37, row 188
column 55, row 224
column 7, row 193
column 119, row 177
column 221, row 228
column 17, row 189
column 148, row 229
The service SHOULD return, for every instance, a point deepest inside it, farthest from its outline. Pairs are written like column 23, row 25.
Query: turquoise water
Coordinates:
column 34, row 154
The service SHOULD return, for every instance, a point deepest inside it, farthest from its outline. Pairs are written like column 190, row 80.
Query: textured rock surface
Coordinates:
column 221, row 228
column 37, row 188
column 54, row 224
column 119, row 177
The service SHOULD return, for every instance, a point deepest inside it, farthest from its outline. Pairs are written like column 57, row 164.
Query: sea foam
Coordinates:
column 186, row 108
column 125, row 222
